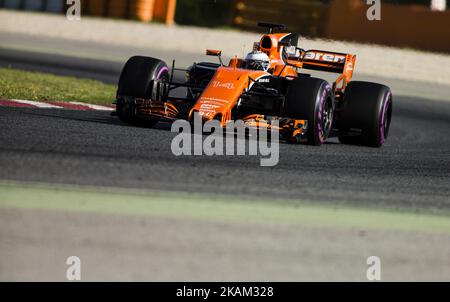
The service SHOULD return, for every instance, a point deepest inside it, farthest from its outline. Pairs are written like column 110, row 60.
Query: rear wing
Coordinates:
column 321, row 60
column 327, row 61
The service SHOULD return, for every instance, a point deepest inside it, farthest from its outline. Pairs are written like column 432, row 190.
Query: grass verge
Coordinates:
column 37, row 86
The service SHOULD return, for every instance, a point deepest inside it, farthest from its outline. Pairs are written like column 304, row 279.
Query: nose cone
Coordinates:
column 224, row 90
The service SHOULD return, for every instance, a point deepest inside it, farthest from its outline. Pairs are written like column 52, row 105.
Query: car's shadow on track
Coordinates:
column 74, row 115
column 101, row 117
column 108, row 118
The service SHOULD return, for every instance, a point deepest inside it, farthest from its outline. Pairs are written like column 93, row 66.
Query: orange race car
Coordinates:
column 264, row 86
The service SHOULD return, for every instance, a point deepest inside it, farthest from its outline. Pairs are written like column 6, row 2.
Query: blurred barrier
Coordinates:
column 405, row 26
column 14, row 4
column 143, row 10
column 414, row 26
column 118, row 9
column 55, row 6
column 35, row 5
column 307, row 17
column 164, row 10
column 96, row 8
column 206, row 13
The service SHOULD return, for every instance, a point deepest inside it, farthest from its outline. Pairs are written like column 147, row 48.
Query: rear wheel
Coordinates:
column 311, row 99
column 137, row 80
column 367, row 107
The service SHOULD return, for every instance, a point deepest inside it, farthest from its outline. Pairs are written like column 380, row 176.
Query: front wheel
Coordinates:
column 137, row 80
column 311, row 99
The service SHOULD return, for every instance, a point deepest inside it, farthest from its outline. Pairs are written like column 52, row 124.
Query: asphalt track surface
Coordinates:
column 93, row 148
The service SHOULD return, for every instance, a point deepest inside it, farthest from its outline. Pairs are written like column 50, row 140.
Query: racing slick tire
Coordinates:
column 136, row 81
column 311, row 99
column 367, row 107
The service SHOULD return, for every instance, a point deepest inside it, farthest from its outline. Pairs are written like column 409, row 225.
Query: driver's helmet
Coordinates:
column 257, row 60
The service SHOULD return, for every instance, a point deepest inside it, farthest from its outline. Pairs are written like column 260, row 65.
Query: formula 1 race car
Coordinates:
column 263, row 87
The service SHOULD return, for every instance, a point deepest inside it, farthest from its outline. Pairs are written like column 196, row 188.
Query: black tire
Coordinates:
column 368, row 107
column 136, row 81
column 138, row 74
column 311, row 99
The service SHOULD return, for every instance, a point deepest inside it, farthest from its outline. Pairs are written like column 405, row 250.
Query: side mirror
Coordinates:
column 215, row 53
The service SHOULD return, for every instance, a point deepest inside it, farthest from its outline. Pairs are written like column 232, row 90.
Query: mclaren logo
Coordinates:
column 326, row 57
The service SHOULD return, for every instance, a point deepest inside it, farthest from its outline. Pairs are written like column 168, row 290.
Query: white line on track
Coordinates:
column 37, row 104
column 92, row 106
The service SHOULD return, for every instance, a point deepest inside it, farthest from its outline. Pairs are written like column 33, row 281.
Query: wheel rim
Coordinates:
column 385, row 119
column 327, row 120
column 327, row 117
